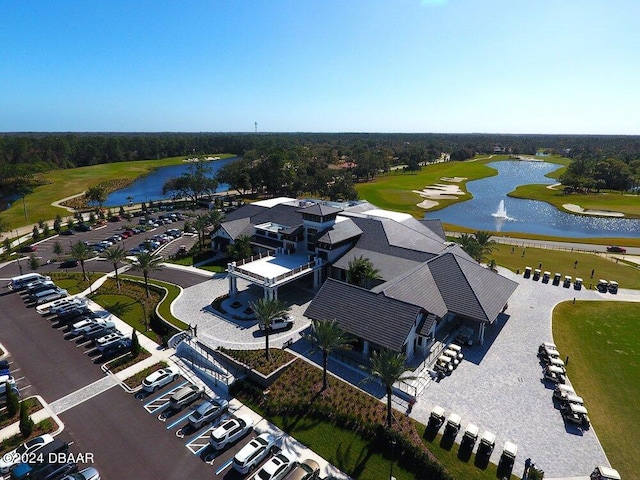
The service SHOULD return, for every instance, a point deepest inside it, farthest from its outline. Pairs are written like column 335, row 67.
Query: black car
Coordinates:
column 83, row 227
column 70, row 316
column 4, row 368
column 67, row 232
column 69, row 263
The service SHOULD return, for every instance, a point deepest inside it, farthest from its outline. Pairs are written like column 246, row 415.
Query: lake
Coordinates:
column 527, row 216
column 149, row 187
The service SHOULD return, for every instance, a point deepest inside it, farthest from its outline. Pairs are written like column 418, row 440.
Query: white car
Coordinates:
column 230, row 431
column 108, row 338
column 279, row 323
column 208, row 412
column 89, row 324
column 160, row 378
column 89, row 473
column 275, row 469
column 14, row 457
column 253, row 453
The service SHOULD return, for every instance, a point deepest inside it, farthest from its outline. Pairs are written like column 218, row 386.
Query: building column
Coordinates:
column 274, row 293
column 365, row 348
column 233, row 285
column 481, row 334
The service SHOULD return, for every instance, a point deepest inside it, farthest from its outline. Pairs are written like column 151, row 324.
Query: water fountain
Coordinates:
column 501, row 212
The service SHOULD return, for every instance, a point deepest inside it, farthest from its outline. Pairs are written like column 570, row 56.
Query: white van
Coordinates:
column 19, row 282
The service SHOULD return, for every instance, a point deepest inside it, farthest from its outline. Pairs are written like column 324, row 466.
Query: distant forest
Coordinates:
column 362, row 155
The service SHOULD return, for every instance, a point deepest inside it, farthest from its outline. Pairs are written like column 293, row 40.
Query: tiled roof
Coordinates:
column 340, row 231
column 246, row 211
column 320, row 210
column 388, row 266
column 435, row 225
column 238, row 227
column 373, row 317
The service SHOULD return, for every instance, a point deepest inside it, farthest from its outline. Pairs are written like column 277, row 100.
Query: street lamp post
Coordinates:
column 19, row 264
column 393, row 448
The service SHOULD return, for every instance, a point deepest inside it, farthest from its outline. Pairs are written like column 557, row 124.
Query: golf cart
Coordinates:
column 605, row 473
column 509, row 452
column 437, row 416
column 563, row 391
column 536, row 274
column 527, row 272
column 453, row 425
column 457, row 349
column 546, row 354
column 555, row 374
column 556, row 279
column 571, row 398
column 555, row 362
column 603, row 286
column 546, row 346
column 464, row 337
column 453, row 355
column 567, row 281
column 487, row 443
column 613, row 287
column 444, row 365
column 576, row 414
column 577, row 285
column 545, row 277
column 470, row 434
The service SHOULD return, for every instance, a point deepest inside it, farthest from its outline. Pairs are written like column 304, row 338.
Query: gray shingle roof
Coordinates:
column 320, row 210
column 238, row 227
column 245, row 211
column 389, row 267
column 435, row 225
column 373, row 317
column 340, row 231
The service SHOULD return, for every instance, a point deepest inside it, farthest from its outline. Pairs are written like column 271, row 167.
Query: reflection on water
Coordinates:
column 527, row 216
column 149, row 187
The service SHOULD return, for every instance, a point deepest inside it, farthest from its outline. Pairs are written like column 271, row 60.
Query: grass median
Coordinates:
column 602, row 341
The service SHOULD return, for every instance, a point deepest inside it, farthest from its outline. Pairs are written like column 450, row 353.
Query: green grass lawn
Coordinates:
column 602, row 340
column 164, row 308
column 73, row 282
column 562, row 261
column 60, row 184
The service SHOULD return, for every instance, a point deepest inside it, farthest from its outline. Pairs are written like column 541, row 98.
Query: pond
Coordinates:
column 527, row 216
column 149, row 187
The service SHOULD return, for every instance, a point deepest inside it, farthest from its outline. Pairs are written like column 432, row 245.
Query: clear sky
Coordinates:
column 494, row 66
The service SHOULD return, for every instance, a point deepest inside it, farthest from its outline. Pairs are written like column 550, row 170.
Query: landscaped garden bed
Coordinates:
column 33, row 405
column 45, row 426
column 126, row 361
column 256, row 359
column 135, row 380
column 73, row 282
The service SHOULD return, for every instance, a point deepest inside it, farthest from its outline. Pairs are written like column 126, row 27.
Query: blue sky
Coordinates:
column 494, row 66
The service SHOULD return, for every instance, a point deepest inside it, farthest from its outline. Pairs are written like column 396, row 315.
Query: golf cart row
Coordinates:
column 448, row 360
column 557, row 278
column 571, row 405
column 605, row 286
column 470, row 436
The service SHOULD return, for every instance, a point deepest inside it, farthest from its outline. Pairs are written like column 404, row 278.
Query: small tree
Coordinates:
column 13, row 403
column 45, row 230
column 35, row 232
column 121, row 211
column 57, row 248
column 135, row 344
column 26, row 424
column 57, row 224
column 70, row 223
column 34, row 262
column 7, row 245
column 92, row 218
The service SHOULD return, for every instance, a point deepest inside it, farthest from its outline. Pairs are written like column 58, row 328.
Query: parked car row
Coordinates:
column 155, row 242
column 470, row 436
column 37, row 289
column 571, row 405
column 259, row 453
column 48, row 458
column 605, row 286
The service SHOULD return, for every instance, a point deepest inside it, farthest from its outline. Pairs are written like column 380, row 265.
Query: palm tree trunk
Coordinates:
column 115, row 267
column 388, row 407
column 266, row 341
column 325, row 355
column 146, row 284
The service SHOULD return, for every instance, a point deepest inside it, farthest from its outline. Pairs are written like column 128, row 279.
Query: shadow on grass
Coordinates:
column 350, row 462
column 119, row 309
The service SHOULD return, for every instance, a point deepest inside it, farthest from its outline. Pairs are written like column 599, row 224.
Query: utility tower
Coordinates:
column 256, row 125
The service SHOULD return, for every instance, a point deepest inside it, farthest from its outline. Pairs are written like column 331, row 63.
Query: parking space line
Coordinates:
column 199, row 442
column 170, row 426
column 161, row 401
column 224, row 466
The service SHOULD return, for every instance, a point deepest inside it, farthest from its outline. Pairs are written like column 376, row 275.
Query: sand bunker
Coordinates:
column 438, row 191
column 601, row 213
column 453, row 179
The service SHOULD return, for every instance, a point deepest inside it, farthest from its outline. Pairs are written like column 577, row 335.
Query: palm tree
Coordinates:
column 470, row 245
column 241, row 248
column 115, row 255
column 360, row 271
column 485, row 244
column 388, row 366
column 147, row 262
column 328, row 336
column 200, row 224
column 80, row 251
column 266, row 311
